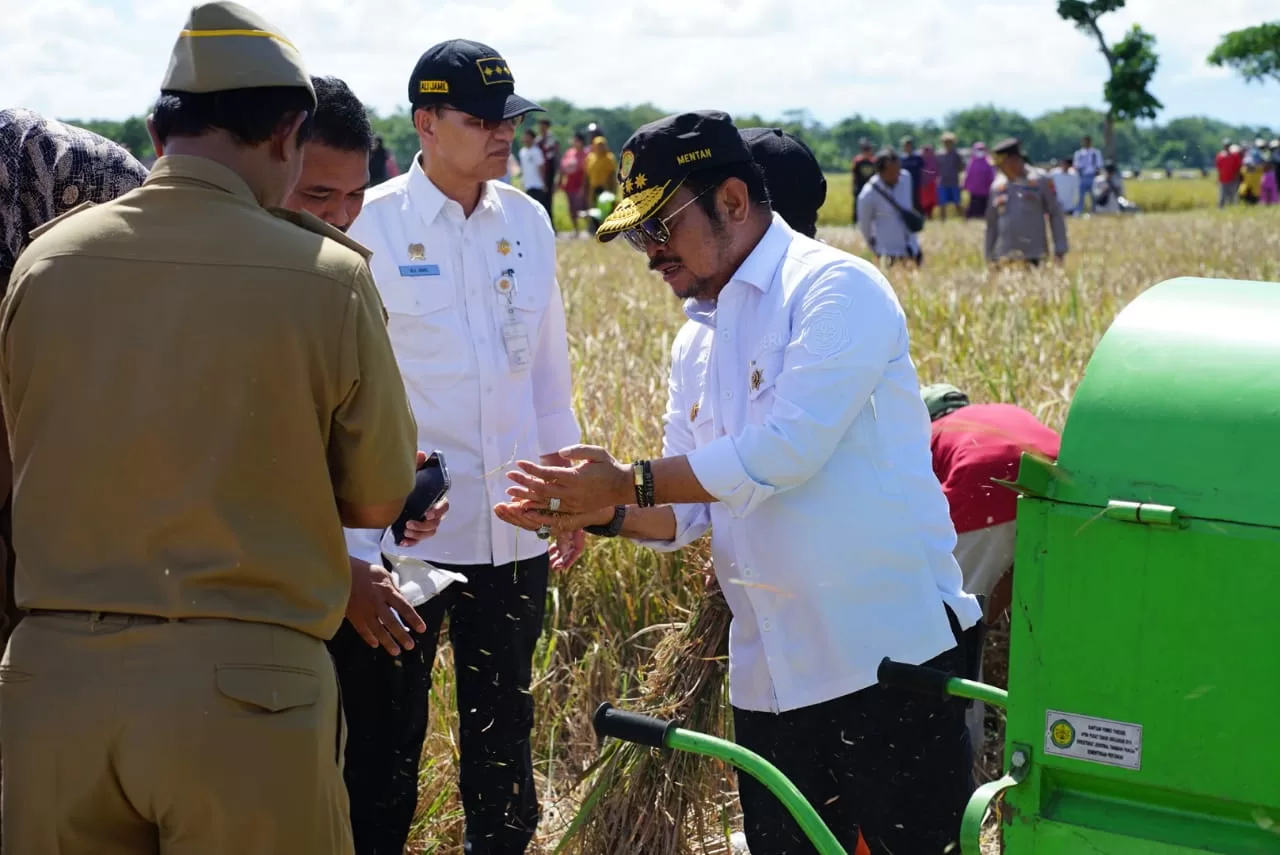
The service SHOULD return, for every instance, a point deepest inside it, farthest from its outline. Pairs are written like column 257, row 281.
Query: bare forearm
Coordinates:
column 675, row 484
column 658, row 523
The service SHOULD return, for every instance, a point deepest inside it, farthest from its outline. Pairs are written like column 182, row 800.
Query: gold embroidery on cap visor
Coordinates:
column 637, row 207
column 438, row 87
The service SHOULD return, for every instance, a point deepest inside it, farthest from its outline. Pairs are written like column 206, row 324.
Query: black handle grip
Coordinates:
column 429, row 487
column 631, row 727
column 913, row 678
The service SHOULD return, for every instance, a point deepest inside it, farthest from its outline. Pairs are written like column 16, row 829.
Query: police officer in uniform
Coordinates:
column 199, row 393
column 1021, row 196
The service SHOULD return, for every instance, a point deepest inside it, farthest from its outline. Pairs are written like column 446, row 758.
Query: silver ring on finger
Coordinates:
column 554, row 505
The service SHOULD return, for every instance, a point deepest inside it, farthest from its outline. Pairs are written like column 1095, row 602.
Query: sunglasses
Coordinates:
column 489, row 125
column 657, row 230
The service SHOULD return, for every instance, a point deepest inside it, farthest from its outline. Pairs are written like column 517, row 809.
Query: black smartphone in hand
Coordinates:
column 430, row 487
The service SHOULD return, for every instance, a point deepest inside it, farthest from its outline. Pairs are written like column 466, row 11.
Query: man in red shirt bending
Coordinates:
column 973, row 444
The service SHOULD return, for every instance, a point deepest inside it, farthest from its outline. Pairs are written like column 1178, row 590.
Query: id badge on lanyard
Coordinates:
column 515, row 334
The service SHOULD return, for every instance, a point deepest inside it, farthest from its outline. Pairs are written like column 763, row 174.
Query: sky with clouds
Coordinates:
column 104, row 58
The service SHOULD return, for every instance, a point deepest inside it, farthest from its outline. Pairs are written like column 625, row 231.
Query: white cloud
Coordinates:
column 833, row 57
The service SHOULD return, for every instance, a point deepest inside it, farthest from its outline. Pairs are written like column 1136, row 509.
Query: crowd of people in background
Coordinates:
column 1247, row 173
column 942, row 180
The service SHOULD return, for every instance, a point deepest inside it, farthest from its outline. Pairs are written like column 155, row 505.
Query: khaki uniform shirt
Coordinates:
column 1016, row 212
column 188, row 381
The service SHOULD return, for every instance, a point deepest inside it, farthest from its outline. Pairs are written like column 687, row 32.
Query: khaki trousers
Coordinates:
column 125, row 736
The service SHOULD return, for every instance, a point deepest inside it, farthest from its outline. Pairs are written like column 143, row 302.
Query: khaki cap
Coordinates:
column 226, row 46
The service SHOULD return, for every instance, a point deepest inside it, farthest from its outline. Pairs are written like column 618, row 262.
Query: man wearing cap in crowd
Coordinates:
column 1022, row 197
column 770, row 435
column 793, row 178
column 46, row 169
column 973, row 446
column 182, row 561
column 466, row 266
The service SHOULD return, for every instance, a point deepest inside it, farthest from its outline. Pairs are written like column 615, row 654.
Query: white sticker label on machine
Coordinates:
column 1098, row 740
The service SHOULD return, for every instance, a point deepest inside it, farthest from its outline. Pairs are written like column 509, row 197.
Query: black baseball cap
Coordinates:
column 659, row 156
column 469, row 76
column 797, row 187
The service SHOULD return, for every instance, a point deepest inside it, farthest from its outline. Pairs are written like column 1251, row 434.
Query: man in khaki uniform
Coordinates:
column 199, row 393
column 1021, row 197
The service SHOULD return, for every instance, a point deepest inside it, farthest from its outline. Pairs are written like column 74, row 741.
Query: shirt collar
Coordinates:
column 429, row 201
column 758, row 269
column 190, row 169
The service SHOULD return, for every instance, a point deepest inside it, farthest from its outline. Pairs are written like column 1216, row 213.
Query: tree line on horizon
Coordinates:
column 1186, row 143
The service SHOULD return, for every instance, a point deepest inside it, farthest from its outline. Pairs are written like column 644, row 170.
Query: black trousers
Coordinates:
column 895, row 765
column 495, row 620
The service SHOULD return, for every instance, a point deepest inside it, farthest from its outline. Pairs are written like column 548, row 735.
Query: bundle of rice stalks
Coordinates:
column 641, row 801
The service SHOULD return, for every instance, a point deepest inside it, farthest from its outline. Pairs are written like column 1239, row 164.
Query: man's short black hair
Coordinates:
column 884, row 157
column 746, row 171
column 341, row 120
column 251, row 116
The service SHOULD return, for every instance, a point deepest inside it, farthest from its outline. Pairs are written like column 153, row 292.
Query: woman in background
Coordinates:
column 977, row 181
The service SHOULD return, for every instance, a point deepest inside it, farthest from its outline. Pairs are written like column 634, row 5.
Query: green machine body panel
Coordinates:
column 1144, row 673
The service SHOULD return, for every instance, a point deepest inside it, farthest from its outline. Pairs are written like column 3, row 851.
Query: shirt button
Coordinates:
column 728, row 394
column 748, row 573
column 766, row 626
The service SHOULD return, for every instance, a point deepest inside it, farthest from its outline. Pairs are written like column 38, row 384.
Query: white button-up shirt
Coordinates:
column 438, row 273
column 798, row 406
column 881, row 223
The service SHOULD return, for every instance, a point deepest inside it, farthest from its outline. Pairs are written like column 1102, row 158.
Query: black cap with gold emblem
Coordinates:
column 468, row 76
column 659, row 156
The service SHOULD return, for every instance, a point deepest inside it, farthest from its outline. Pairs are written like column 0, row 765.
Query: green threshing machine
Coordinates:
column 1143, row 709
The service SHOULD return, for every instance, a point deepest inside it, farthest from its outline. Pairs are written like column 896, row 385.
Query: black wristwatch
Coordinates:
column 614, row 526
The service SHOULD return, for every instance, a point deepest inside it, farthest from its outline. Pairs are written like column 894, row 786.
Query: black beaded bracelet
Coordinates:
column 613, row 527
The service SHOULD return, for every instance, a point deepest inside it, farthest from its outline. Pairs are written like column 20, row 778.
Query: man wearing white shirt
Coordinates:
column 881, row 207
column 466, row 268
column 794, row 431
column 1066, row 183
column 1088, row 163
column 533, row 169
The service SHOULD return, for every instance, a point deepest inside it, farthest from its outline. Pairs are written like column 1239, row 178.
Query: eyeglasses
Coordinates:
column 489, row 125
column 657, row 230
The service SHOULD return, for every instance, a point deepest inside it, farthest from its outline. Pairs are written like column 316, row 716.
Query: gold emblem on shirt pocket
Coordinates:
column 693, row 412
column 763, row 373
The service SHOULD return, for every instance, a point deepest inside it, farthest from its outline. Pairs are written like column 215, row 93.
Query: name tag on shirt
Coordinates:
column 515, row 336
column 419, row 270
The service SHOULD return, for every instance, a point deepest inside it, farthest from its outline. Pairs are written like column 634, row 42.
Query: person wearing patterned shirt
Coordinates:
column 46, row 169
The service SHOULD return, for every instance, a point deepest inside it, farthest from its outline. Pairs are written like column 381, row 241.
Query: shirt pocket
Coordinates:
column 427, row 329
column 762, row 374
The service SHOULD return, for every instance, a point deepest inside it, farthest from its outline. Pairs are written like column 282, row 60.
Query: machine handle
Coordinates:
column 913, row 678
column 631, row 727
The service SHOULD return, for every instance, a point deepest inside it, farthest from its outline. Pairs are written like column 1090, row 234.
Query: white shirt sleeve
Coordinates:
column 692, row 520
column 365, row 543
column 847, row 328
column 552, row 379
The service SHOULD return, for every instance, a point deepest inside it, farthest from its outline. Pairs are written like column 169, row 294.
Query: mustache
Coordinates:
column 654, row 264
